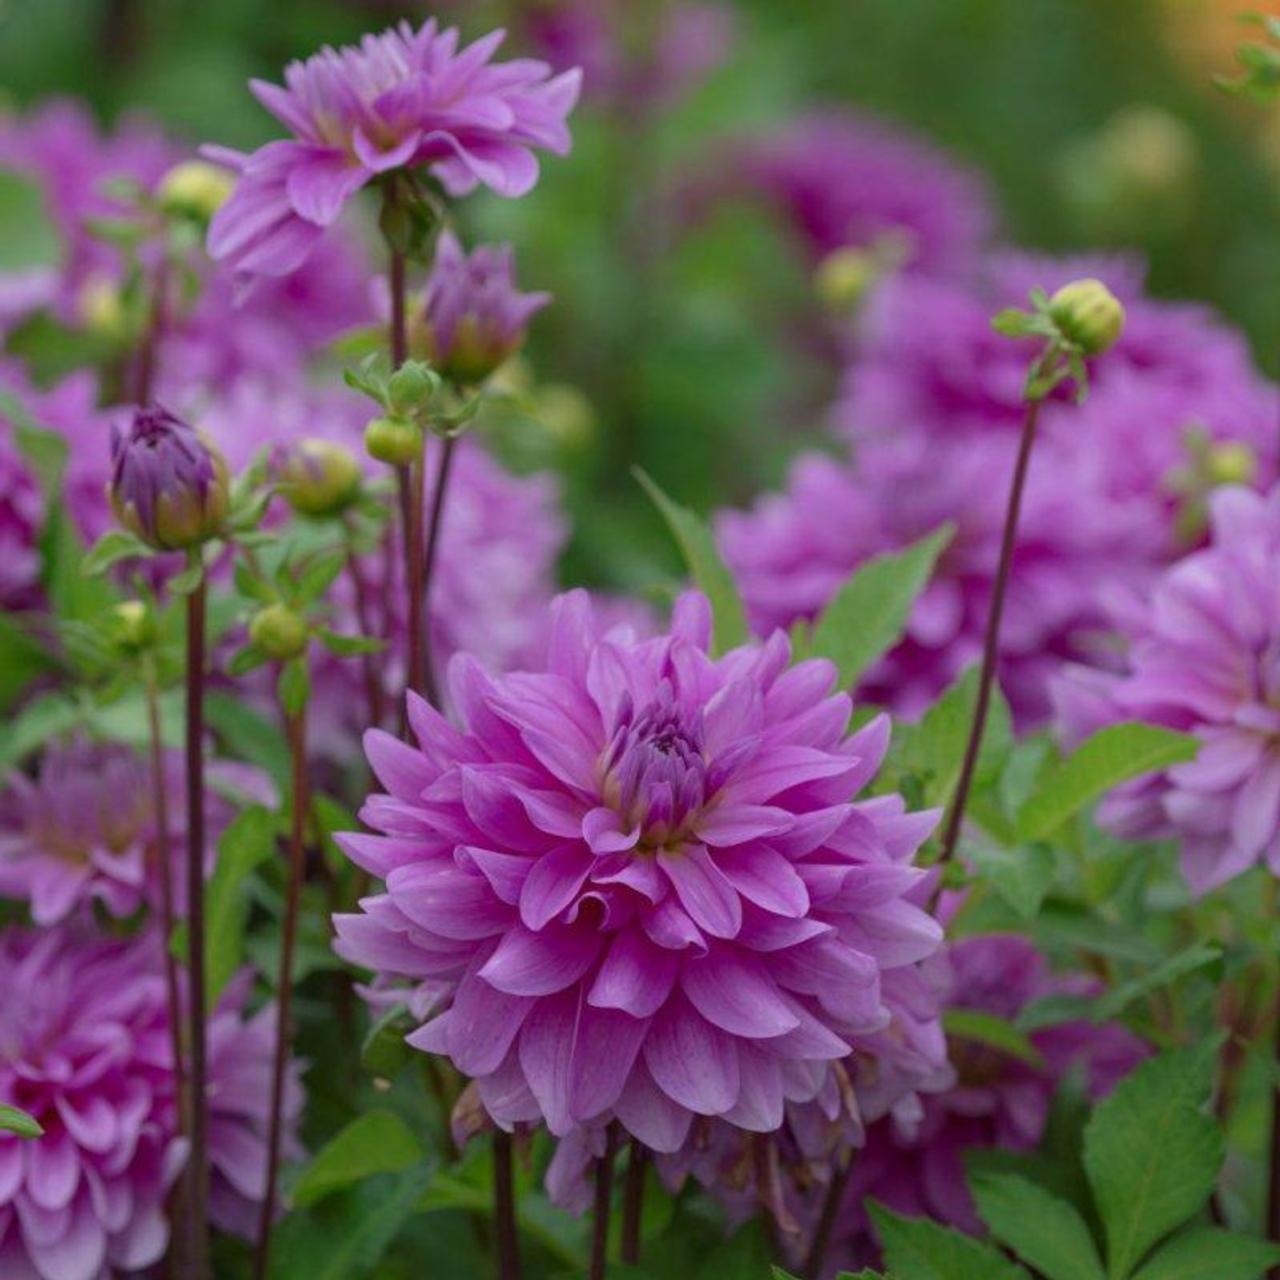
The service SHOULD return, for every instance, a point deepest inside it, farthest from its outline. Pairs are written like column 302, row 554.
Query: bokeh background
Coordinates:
column 686, row 335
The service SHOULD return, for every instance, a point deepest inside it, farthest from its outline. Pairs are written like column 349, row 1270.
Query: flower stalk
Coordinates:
column 633, row 1202
column 603, row 1204
column 504, row 1208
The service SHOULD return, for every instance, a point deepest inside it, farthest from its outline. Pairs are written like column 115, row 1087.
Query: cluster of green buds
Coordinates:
column 846, row 277
column 1082, row 319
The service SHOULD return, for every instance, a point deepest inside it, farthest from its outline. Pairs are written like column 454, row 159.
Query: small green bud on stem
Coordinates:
column 279, row 632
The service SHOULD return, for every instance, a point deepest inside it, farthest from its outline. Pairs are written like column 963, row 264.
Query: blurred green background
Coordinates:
column 681, row 339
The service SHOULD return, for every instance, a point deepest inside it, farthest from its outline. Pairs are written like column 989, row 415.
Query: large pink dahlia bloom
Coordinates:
column 1204, row 659
column 643, row 874
column 401, row 99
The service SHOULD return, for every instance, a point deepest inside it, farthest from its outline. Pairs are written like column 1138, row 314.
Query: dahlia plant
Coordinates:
column 892, row 886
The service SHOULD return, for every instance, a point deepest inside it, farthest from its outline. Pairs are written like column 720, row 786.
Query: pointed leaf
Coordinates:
column 924, row 1250
column 1041, row 1229
column 375, row 1142
column 1200, row 1252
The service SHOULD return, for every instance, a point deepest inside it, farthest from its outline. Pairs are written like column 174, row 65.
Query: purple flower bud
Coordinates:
column 473, row 317
column 168, row 485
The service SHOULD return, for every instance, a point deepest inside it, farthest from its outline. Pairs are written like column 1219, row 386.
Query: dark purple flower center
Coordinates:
column 655, row 769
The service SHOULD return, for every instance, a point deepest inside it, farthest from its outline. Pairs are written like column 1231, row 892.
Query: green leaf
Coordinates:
column 742, row 1257
column 320, row 574
column 374, row 1142
column 28, row 236
column 41, row 719
column 250, row 658
column 1020, row 876
column 710, row 575
column 184, row 583
column 1198, row 956
column 1041, row 1229
column 1151, row 1154
column 866, row 617
column 1111, row 756
column 987, row 1029
column 245, row 844
column 114, row 545
column 22, row 659
column 384, row 1051
column 923, row 1250
column 1201, row 1252
column 348, row 646
column 248, row 735
column 14, row 1121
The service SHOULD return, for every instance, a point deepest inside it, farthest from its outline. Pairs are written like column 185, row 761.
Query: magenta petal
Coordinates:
column 78, row 1254
column 646, row 1111
column 733, row 991
column 766, row 878
column 635, row 975
column 546, row 1057
column 704, row 891
column 602, row 830
column 321, row 183
column 53, row 1170
column 738, row 823
column 760, row 1101
column 537, row 964
column 553, row 883
column 692, row 1062
column 483, row 1024
column 607, row 1042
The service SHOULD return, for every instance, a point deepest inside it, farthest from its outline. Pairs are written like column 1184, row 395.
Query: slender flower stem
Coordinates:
column 991, row 643
column 633, row 1202
column 447, row 445
column 198, row 1166
column 297, row 732
column 603, row 1203
column 830, row 1216
column 364, row 617
column 504, row 1208
column 416, row 678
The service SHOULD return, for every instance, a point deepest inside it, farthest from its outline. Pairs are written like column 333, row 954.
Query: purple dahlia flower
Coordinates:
column 915, row 1164
column 402, row 99
column 473, row 317
column 643, row 873
column 83, row 829
column 85, row 1048
column 847, row 180
column 21, row 518
column 1203, row 659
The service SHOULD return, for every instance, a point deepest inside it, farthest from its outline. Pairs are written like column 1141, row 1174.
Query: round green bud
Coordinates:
column 317, row 477
column 411, row 386
column 393, row 441
column 844, row 277
column 134, row 624
column 195, row 189
column 1231, row 463
column 1087, row 314
column 101, row 308
column 279, row 632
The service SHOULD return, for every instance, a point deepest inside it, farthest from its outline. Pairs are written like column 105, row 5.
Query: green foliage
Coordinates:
column 990, row 1030
column 12, row 1120
column 709, row 573
column 1199, row 1252
column 924, row 1250
column 28, row 237
column 1109, row 757
column 374, row 1142
column 1043, row 1230
column 866, row 617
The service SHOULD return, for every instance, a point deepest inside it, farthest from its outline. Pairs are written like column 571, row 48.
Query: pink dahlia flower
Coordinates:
column 21, row 519
column 85, row 1048
column 402, row 99
column 1202, row 660
column 83, row 829
column 915, row 1164
column 644, row 875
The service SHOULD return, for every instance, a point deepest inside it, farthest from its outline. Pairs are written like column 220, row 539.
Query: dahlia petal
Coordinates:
column 320, row 183
column 811, row 1040
column 447, row 901
column 538, row 964
column 783, row 767
column 635, row 976
column 376, row 160
column 651, row 1115
column 483, row 1025
column 78, row 1254
column 11, row 1170
column 739, row 823
column 691, row 1061
column 553, row 883
column 759, row 1108
column 53, row 1170
column 498, row 814
column 505, row 872
column 766, row 878
column 402, row 769
column 1257, row 809
column 895, row 934
column 704, row 891
column 546, row 1057
column 669, row 925
column 142, row 1243
column 364, row 942
column 602, row 830
column 606, row 1045
column 240, row 1156
column 733, row 991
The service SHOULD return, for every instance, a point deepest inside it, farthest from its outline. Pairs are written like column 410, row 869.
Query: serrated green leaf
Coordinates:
column 1198, row 956
column 988, row 1029
column 867, row 616
column 1151, row 1154
column 1041, row 1229
column 924, row 1250
column 12, row 1120
column 708, row 570
column 1209, row 1253
column 1111, row 756
column 1021, row 876
column 374, row 1142
column 248, row 842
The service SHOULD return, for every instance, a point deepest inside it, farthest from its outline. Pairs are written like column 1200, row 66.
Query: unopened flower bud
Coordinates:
column 168, row 484
column 102, row 309
column 473, row 317
column 317, row 477
column 279, row 632
column 1088, row 314
column 844, row 277
column 134, row 624
column 195, row 189
column 411, row 386
column 394, row 441
column 1231, row 463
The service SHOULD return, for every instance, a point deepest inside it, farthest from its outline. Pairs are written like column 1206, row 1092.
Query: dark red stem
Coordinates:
column 429, row 686
column 504, row 1208
column 633, row 1203
column 603, row 1203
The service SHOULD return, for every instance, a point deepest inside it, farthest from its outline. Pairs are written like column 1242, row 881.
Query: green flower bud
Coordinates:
column 317, row 477
column 1231, row 463
column 279, row 632
column 1088, row 314
column 393, row 441
column 195, row 189
column 412, row 386
column 844, row 277
column 134, row 625
column 101, row 308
